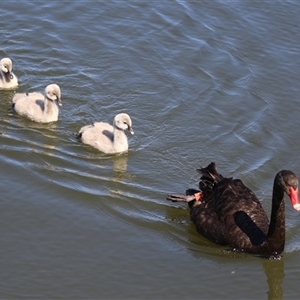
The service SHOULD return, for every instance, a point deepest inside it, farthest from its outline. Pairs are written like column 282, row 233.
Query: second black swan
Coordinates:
column 226, row 212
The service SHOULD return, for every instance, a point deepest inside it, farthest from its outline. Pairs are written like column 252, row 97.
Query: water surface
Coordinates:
column 208, row 81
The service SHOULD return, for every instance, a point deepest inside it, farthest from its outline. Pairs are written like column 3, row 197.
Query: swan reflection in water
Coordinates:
column 274, row 270
column 184, row 233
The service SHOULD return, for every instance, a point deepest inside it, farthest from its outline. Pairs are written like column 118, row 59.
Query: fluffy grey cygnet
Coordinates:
column 107, row 138
column 8, row 79
column 37, row 107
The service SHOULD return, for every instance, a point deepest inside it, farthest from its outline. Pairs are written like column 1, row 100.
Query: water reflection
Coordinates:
column 120, row 166
column 274, row 270
column 183, row 232
column 6, row 96
column 119, row 174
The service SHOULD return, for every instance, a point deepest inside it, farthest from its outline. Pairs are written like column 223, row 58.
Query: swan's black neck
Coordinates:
column 276, row 235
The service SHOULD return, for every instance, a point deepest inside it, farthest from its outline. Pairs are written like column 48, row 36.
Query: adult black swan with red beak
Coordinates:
column 226, row 212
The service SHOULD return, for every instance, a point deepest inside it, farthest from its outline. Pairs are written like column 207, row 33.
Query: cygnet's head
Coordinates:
column 123, row 121
column 6, row 66
column 53, row 93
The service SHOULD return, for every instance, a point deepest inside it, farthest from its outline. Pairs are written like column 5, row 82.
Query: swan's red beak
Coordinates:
column 294, row 198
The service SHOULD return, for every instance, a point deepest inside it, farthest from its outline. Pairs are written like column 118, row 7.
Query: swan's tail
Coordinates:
column 78, row 135
column 209, row 178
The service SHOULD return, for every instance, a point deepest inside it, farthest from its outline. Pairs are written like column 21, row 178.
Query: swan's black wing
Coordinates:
column 232, row 214
column 240, row 211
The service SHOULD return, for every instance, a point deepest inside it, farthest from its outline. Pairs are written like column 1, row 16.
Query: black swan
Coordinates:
column 226, row 212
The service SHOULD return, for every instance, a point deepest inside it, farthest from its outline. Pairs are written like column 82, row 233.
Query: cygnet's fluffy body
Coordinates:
column 8, row 79
column 37, row 107
column 107, row 138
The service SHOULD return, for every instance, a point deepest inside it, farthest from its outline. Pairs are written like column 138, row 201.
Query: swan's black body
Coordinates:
column 228, row 213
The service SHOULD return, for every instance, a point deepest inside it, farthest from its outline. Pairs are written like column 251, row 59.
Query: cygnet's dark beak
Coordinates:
column 59, row 102
column 131, row 130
